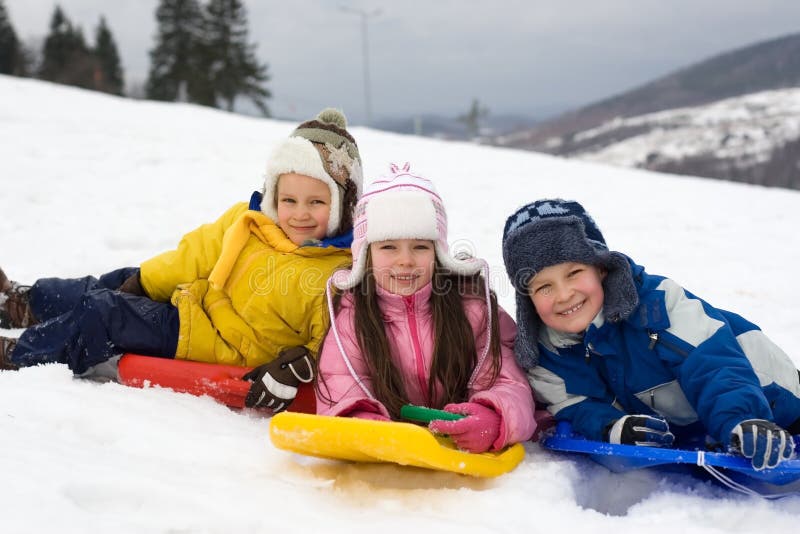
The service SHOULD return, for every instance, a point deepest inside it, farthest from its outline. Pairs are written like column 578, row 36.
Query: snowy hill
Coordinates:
column 753, row 138
column 92, row 182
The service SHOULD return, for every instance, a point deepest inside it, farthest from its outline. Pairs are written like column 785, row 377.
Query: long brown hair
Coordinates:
column 454, row 350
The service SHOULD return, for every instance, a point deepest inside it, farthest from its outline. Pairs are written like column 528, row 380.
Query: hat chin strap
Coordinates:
column 475, row 372
column 328, row 294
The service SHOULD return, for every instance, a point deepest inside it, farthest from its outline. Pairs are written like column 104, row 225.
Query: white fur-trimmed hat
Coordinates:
column 400, row 206
column 323, row 149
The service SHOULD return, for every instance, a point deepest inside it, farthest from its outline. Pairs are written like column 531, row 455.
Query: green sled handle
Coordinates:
column 426, row 415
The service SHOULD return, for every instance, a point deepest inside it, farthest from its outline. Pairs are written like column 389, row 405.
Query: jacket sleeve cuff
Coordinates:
column 349, row 408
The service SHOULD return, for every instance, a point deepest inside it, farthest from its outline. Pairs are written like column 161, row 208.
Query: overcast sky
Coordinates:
column 530, row 57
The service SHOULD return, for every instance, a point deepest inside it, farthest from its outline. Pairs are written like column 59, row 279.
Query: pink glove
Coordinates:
column 474, row 433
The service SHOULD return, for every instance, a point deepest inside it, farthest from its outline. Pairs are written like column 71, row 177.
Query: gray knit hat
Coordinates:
column 321, row 148
column 552, row 231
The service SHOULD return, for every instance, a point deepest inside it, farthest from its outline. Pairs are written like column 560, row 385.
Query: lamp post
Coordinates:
column 365, row 15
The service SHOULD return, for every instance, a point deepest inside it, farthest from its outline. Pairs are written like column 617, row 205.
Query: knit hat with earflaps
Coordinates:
column 321, row 148
column 401, row 206
column 552, row 231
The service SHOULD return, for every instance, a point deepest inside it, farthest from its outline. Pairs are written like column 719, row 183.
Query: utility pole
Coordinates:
column 365, row 15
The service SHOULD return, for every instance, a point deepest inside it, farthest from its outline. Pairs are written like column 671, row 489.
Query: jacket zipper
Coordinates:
column 655, row 338
column 418, row 360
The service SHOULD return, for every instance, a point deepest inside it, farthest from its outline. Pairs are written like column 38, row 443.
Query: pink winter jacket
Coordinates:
column 409, row 328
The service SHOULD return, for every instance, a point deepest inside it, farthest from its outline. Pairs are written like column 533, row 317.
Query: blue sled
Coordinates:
column 731, row 470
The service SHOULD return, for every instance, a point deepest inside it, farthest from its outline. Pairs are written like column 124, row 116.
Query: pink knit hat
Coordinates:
column 400, row 206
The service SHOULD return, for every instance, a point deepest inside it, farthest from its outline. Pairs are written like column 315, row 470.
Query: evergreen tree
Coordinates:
column 229, row 59
column 10, row 48
column 472, row 119
column 175, row 67
column 26, row 60
column 109, row 78
column 66, row 58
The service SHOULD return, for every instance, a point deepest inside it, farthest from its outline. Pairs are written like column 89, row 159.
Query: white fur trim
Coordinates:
column 298, row 155
column 345, row 279
column 465, row 267
column 401, row 215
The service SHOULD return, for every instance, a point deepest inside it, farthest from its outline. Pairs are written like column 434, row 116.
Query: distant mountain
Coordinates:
column 753, row 138
column 633, row 119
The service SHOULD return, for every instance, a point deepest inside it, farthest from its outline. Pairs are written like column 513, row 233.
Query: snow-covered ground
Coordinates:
column 745, row 129
column 90, row 182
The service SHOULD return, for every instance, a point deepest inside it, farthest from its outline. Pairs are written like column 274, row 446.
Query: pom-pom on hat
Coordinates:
column 401, row 205
column 321, row 148
column 552, row 231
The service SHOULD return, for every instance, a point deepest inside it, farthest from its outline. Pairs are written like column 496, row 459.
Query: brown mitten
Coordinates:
column 133, row 285
column 275, row 383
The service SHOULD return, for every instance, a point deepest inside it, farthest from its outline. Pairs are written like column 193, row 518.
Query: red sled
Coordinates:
column 223, row 383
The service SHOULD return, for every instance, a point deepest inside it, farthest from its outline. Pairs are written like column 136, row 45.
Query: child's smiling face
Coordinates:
column 402, row 266
column 567, row 296
column 304, row 207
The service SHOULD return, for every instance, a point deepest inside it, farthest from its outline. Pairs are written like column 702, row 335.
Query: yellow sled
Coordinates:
column 361, row 440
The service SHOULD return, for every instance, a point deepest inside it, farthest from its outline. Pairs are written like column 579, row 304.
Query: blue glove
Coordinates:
column 640, row 430
column 764, row 442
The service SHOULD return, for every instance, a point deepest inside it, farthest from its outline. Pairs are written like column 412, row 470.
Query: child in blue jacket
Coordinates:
column 631, row 357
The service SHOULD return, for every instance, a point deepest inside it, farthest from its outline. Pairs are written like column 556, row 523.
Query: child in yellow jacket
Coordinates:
column 238, row 291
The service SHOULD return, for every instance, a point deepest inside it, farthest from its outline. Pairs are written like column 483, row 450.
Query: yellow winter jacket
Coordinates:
column 243, row 289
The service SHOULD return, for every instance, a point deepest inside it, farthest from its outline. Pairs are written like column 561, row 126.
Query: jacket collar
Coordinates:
column 553, row 339
column 255, row 223
column 338, row 241
column 394, row 305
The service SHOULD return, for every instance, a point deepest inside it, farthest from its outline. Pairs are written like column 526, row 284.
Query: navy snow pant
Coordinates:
column 86, row 321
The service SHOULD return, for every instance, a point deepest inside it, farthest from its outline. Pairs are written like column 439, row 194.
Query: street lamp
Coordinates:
column 365, row 15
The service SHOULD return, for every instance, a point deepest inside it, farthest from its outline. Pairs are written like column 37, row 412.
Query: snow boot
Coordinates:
column 15, row 309
column 7, row 345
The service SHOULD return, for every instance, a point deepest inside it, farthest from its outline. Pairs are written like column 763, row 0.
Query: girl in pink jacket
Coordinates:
column 412, row 324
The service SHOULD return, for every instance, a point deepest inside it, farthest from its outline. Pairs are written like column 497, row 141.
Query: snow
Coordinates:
column 91, row 182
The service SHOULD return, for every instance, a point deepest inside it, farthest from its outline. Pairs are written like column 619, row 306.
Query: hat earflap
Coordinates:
column 526, row 345
column 345, row 279
column 619, row 288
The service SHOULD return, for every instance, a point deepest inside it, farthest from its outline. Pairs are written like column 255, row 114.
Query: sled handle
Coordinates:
column 426, row 415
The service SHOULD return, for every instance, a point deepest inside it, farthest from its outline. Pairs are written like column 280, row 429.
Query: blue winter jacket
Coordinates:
column 703, row 369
